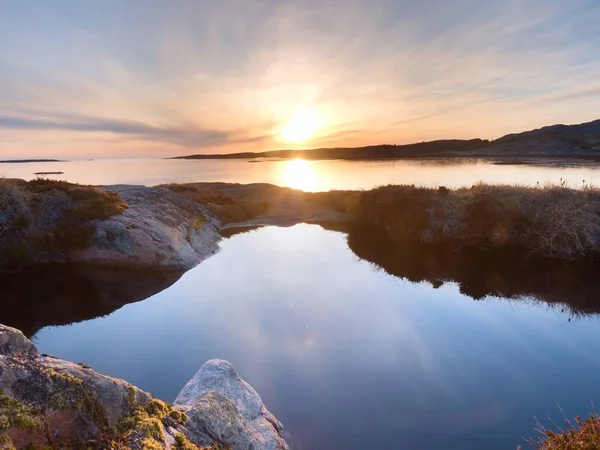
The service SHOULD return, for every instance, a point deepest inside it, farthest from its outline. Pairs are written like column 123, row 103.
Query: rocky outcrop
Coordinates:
column 45, row 401
column 14, row 342
column 221, row 406
column 159, row 229
column 49, row 221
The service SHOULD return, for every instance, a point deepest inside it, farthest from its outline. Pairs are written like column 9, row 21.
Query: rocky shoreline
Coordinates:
column 45, row 401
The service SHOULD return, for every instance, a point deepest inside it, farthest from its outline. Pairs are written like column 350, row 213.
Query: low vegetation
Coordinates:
column 227, row 206
column 143, row 428
column 583, row 435
column 550, row 221
column 41, row 219
column 16, row 415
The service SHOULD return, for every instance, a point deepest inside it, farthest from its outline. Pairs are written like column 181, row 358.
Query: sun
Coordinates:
column 301, row 128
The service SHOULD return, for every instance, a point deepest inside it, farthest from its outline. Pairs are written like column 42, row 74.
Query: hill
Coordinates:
column 558, row 141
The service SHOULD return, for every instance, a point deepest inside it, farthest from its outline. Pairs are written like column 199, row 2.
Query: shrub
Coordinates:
column 584, row 435
column 225, row 206
column 41, row 219
column 551, row 221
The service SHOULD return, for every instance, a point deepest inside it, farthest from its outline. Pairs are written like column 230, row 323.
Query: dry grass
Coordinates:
column 226, row 207
column 551, row 221
column 584, row 435
column 41, row 219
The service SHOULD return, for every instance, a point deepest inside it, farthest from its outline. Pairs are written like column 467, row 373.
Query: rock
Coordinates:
column 55, row 400
column 13, row 341
column 114, row 396
column 222, row 407
column 45, row 401
column 159, row 229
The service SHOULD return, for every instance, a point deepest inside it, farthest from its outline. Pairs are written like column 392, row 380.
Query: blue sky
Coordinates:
column 158, row 78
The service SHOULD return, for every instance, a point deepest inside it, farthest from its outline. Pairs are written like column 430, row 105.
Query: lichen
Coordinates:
column 131, row 398
column 152, row 444
column 71, row 393
column 17, row 415
column 178, row 416
column 146, row 421
column 198, row 222
column 157, row 408
column 6, row 443
column 182, row 443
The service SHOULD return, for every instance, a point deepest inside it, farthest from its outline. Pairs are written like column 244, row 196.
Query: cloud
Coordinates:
column 230, row 73
column 189, row 137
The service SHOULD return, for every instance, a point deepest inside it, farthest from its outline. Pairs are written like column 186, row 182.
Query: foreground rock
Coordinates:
column 221, row 406
column 45, row 401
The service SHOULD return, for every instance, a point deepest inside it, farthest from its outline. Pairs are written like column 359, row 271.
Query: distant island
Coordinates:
column 25, row 161
column 558, row 141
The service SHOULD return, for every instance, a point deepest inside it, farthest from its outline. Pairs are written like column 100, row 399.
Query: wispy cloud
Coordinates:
column 190, row 137
column 224, row 76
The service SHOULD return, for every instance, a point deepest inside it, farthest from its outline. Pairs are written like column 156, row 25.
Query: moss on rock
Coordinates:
column 70, row 393
column 17, row 415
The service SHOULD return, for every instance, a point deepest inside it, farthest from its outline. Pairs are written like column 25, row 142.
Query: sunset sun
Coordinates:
column 301, row 128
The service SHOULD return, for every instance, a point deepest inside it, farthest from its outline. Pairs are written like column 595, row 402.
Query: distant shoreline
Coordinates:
column 558, row 141
column 551, row 160
column 26, row 161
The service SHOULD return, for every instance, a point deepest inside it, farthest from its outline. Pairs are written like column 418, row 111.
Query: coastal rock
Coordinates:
column 159, row 229
column 222, row 407
column 13, row 341
column 45, row 400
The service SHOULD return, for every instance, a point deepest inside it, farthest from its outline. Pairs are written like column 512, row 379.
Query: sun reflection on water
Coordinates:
column 299, row 174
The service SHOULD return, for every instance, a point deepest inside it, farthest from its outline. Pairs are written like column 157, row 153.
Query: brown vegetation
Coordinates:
column 547, row 221
column 41, row 219
column 228, row 207
column 550, row 221
column 584, row 435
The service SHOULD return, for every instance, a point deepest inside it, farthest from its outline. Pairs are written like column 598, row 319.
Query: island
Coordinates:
column 27, row 161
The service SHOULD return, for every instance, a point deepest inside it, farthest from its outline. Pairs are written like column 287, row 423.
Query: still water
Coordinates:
column 346, row 355
column 310, row 175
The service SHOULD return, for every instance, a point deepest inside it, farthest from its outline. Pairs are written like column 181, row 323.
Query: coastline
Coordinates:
column 160, row 228
column 45, row 401
column 174, row 227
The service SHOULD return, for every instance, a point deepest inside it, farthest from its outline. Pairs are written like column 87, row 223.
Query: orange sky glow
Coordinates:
column 128, row 79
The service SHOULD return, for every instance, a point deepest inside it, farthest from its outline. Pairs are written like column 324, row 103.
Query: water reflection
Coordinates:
column 299, row 174
column 58, row 295
column 312, row 175
column 349, row 357
column 511, row 273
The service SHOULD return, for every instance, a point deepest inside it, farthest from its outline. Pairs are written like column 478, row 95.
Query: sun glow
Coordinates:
column 301, row 128
column 299, row 174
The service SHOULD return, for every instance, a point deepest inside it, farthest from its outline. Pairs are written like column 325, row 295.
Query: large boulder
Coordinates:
column 223, row 408
column 46, row 401
column 159, row 229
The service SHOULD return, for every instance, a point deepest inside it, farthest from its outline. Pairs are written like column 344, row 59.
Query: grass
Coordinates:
column 42, row 219
column 550, row 221
column 226, row 207
column 583, row 435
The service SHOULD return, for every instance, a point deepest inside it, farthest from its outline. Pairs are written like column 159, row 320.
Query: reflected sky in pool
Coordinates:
column 346, row 356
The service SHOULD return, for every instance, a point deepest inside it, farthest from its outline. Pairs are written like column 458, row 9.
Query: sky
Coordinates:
column 138, row 78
